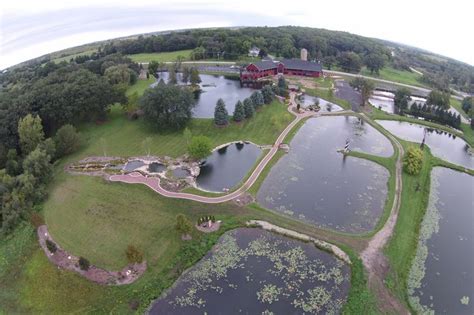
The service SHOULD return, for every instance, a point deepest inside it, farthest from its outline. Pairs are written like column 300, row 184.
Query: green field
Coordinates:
column 123, row 137
column 68, row 57
column 392, row 74
column 161, row 57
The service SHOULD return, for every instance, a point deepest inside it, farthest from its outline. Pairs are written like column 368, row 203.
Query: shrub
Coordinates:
column 84, row 264
column 413, row 161
column 68, row 140
column 200, row 147
column 51, row 246
column 134, row 255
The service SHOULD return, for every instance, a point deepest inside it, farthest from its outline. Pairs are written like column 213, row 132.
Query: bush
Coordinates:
column 206, row 218
column 84, row 264
column 68, row 140
column 134, row 255
column 51, row 246
column 200, row 147
column 413, row 161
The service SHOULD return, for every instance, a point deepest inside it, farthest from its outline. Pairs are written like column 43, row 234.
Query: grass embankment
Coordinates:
column 328, row 96
column 162, row 56
column 123, row 137
column 415, row 195
column 391, row 74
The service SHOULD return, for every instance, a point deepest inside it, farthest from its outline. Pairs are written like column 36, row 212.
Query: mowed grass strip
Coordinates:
column 122, row 137
column 162, row 56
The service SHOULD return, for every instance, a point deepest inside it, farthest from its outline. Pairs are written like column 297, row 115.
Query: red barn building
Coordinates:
column 266, row 68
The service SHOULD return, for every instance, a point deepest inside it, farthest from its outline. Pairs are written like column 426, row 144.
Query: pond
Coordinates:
column 307, row 100
column 215, row 87
column 181, row 173
column 442, row 276
column 383, row 103
column 156, row 167
column 133, row 165
column 252, row 271
column 316, row 184
column 442, row 144
column 227, row 166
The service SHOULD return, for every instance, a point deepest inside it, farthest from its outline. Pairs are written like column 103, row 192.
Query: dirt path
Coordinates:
column 372, row 256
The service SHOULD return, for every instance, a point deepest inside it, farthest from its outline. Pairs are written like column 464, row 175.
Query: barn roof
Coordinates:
column 265, row 64
column 298, row 64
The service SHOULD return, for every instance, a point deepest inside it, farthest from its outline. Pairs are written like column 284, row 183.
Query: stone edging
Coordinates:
column 339, row 253
column 65, row 260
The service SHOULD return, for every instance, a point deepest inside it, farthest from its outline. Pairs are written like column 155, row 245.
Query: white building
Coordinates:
column 254, row 51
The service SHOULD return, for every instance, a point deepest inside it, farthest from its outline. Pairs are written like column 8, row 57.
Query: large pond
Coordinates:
column 442, row 276
column 227, row 166
column 215, row 87
column 252, row 271
column 308, row 100
column 315, row 183
column 443, row 144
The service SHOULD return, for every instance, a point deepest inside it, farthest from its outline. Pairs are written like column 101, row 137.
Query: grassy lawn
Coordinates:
column 392, row 74
column 458, row 106
column 162, row 56
column 140, row 86
column 123, row 137
column 324, row 82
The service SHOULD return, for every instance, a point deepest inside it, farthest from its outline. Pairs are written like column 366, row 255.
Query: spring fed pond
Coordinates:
column 442, row 275
column 253, row 271
column 317, row 184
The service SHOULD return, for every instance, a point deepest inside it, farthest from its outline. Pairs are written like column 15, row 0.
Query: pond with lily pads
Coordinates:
column 227, row 166
column 317, row 184
column 442, row 144
column 252, row 271
column 442, row 275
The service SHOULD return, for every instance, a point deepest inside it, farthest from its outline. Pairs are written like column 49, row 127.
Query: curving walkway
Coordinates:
column 154, row 183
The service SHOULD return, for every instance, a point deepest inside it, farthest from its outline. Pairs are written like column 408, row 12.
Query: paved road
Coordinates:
column 154, row 182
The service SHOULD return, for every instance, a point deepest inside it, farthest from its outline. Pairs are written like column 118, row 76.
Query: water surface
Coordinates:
column 226, row 167
column 314, row 182
column 442, row 144
column 133, row 165
column 251, row 271
column 307, row 100
column 442, row 276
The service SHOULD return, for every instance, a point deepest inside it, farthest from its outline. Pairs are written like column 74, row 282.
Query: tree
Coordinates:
column 239, row 112
column 402, row 96
column 249, row 108
column 120, row 74
column 153, row 67
column 134, row 255
column 172, row 75
column 364, row 86
column 187, row 135
column 350, row 62
column 200, row 147
column 268, row 94
column 12, row 166
column 146, row 143
column 374, row 62
column 84, row 264
column 37, row 163
column 195, row 79
column 282, row 86
column 329, row 61
column 413, row 161
column 185, row 75
column 438, row 98
column 467, row 104
column 67, row 140
column 257, row 99
column 221, row 116
column 30, row 132
column 167, row 106
column 183, row 225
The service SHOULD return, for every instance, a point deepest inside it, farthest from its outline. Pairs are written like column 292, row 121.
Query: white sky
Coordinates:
column 31, row 28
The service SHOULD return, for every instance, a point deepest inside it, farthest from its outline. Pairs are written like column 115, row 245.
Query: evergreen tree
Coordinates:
column 257, row 99
column 249, row 109
column 221, row 116
column 267, row 94
column 239, row 112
